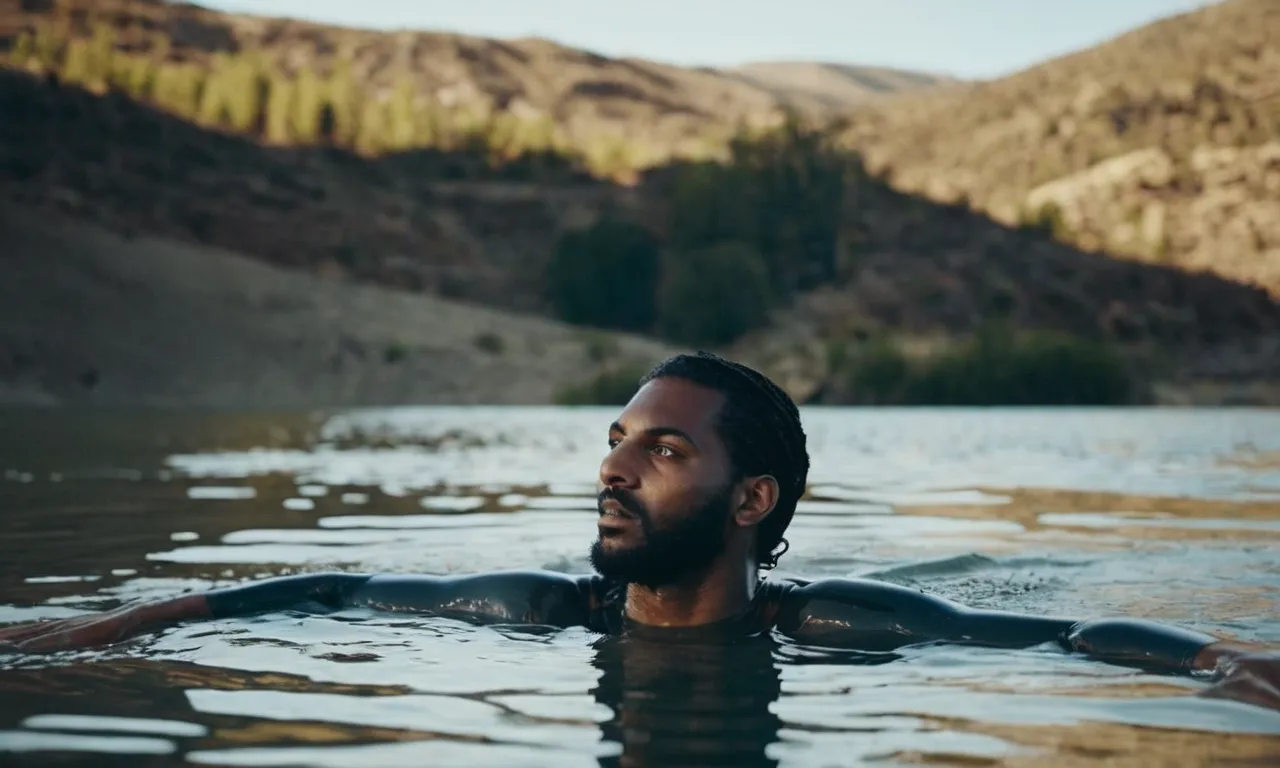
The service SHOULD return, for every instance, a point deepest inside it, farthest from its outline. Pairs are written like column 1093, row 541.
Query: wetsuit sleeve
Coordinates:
column 526, row 597
column 877, row 616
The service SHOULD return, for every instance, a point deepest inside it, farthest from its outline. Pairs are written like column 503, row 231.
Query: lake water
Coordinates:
column 1167, row 514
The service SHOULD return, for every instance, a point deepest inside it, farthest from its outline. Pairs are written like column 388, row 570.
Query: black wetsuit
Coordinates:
column 853, row 614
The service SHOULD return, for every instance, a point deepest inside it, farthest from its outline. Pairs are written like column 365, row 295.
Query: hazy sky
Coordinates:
column 967, row 38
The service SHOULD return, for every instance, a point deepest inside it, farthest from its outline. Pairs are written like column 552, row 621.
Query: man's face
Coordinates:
column 666, row 488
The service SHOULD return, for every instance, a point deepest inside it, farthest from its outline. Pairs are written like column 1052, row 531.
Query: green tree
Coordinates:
column 135, row 75
column 606, row 276
column 344, row 104
column 102, row 52
column 213, row 99
column 714, row 294
column 281, row 98
column 401, row 116
column 310, row 101
column 374, row 127
column 711, row 203
column 48, row 45
column 23, row 49
column 77, row 66
column 798, row 178
column 781, row 191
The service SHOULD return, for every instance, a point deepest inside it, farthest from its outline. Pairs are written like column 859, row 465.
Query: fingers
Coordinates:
column 1245, row 688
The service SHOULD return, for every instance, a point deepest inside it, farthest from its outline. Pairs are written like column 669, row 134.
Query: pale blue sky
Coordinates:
column 966, row 38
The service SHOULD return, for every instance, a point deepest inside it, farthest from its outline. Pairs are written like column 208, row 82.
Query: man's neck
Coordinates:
column 722, row 592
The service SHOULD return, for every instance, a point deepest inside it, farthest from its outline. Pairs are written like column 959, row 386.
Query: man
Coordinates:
column 704, row 469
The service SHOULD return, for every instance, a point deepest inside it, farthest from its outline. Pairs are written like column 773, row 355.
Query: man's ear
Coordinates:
column 759, row 497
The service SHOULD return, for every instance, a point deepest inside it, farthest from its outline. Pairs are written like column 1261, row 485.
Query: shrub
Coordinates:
column 613, row 386
column 490, row 342
column 997, row 367
column 781, row 192
column 711, row 296
column 605, row 276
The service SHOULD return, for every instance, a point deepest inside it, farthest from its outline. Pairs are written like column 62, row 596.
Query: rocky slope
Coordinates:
column 1162, row 145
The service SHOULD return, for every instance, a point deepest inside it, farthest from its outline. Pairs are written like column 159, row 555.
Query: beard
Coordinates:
column 668, row 553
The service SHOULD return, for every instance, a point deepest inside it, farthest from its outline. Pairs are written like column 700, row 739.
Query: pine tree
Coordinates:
column 48, row 44
column 102, row 51
column 76, row 68
column 212, row 100
column 23, row 49
column 140, row 80
column 281, row 98
column 374, row 127
column 246, row 92
column 344, row 103
column 179, row 88
column 309, row 103
column 401, row 115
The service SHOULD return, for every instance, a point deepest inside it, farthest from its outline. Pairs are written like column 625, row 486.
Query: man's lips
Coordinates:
column 613, row 508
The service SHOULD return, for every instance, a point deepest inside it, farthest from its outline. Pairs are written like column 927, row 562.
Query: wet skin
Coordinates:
column 666, row 458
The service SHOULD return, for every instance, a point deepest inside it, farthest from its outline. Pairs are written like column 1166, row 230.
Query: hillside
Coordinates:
column 836, row 87
column 90, row 317
column 645, row 111
column 1162, row 145
column 399, row 199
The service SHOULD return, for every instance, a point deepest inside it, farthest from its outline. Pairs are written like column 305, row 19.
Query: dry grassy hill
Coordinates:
column 837, row 87
column 645, row 111
column 1162, row 145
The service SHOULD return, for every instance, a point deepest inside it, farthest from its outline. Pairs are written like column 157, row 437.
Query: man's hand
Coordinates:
column 97, row 628
column 1250, row 677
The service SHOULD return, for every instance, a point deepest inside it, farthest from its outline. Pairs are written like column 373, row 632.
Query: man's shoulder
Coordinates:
column 870, row 594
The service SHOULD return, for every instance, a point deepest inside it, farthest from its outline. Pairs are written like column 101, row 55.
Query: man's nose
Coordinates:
column 616, row 469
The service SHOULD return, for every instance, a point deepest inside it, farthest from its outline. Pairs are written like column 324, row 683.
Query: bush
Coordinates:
column 490, row 342
column 605, row 276
column 713, row 295
column 782, row 192
column 614, row 386
column 998, row 367
column 878, row 372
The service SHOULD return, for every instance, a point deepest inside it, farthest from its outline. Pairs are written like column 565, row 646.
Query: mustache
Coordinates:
column 630, row 504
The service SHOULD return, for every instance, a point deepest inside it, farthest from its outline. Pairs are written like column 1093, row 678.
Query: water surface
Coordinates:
column 1167, row 514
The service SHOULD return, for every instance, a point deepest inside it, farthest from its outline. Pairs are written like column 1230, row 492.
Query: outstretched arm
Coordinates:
column 526, row 597
column 878, row 616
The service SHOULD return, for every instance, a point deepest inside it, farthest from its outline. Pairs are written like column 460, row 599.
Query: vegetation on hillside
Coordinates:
column 999, row 365
column 343, row 164
column 247, row 93
column 739, row 239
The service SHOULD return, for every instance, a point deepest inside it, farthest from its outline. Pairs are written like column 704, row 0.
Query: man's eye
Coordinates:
column 613, row 442
column 664, row 451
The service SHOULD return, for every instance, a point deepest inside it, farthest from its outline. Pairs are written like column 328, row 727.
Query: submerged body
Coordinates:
column 855, row 614
column 703, row 472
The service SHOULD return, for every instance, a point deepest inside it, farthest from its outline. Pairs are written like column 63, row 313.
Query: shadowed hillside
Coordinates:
column 190, row 128
column 1162, row 145
column 90, row 317
column 901, row 265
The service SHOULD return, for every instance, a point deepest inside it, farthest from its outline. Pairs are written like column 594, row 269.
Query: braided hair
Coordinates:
column 761, row 426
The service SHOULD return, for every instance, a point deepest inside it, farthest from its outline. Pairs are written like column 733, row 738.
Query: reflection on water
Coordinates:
column 1172, row 515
